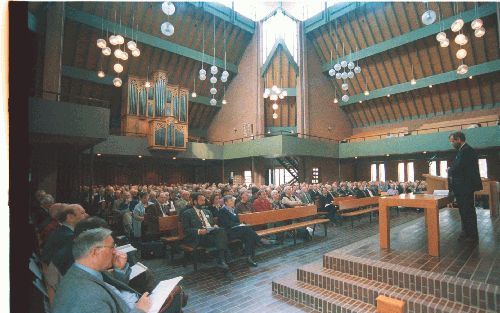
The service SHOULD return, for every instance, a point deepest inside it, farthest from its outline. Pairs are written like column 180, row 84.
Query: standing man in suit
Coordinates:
column 464, row 181
column 200, row 229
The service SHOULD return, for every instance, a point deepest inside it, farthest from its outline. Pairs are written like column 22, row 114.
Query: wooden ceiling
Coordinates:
column 80, row 50
column 376, row 23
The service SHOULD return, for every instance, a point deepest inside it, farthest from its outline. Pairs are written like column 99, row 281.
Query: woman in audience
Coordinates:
column 261, row 203
column 214, row 204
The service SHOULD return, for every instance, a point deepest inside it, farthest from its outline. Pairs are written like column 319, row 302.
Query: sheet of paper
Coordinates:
column 35, row 269
column 161, row 293
column 126, row 248
column 441, row 192
column 137, row 269
column 40, row 286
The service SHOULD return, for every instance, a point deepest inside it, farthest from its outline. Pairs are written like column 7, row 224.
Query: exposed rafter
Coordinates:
column 480, row 69
column 96, row 22
column 468, row 16
column 279, row 43
column 227, row 14
column 78, row 73
column 330, row 14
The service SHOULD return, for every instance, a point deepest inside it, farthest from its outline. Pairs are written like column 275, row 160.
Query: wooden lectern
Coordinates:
column 435, row 183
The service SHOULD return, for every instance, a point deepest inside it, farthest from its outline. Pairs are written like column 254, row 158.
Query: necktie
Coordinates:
column 163, row 211
column 203, row 219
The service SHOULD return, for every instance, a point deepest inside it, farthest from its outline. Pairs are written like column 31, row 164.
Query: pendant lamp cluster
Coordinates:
column 214, row 70
column 461, row 39
column 120, row 53
column 167, row 28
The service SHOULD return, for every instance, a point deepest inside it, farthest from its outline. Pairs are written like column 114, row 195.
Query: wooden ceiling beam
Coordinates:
column 160, row 43
column 424, row 82
column 467, row 16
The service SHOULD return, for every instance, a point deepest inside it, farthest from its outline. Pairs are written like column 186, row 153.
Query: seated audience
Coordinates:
column 138, row 215
column 276, row 197
column 289, row 200
column 261, row 203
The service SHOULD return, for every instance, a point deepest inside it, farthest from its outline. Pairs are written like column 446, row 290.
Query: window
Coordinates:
column 381, row 172
column 373, row 172
column 281, row 176
column 410, row 171
column 433, row 168
column 401, row 172
column 279, row 26
column 248, row 177
column 443, row 168
column 483, row 168
column 315, row 178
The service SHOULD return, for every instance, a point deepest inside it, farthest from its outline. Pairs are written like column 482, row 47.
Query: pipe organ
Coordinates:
column 159, row 112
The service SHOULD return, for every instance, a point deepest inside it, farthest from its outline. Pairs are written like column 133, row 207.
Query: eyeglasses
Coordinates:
column 111, row 247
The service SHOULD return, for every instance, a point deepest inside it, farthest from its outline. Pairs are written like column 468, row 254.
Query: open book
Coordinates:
column 137, row 269
column 161, row 293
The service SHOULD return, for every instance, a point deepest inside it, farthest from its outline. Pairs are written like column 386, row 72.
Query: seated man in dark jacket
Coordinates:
column 200, row 229
column 229, row 220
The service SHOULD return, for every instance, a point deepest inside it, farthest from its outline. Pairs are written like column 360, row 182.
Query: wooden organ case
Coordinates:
column 159, row 112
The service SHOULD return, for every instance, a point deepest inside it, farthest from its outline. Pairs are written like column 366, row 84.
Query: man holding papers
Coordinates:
column 200, row 230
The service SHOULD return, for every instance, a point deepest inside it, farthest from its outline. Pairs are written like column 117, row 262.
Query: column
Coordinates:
column 54, row 34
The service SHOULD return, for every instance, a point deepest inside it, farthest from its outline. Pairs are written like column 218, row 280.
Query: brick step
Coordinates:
column 367, row 290
column 468, row 292
column 318, row 299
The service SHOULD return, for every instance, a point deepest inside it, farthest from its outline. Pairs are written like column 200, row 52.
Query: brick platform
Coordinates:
column 464, row 279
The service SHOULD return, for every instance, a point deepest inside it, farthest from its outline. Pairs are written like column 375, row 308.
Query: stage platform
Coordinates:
column 466, row 278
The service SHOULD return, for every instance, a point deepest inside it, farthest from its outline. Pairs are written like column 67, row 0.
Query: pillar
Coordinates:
column 54, row 34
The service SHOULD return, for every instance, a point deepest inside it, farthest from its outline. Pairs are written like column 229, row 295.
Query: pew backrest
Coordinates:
column 274, row 216
column 355, row 203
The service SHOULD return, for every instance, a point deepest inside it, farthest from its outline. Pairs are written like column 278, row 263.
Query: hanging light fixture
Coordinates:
column 101, row 43
column 106, row 51
column 203, row 73
column 147, row 84
column 441, row 36
column 167, row 29
column 479, row 32
column 476, row 24
column 457, row 25
column 213, row 101
column 101, row 74
column 335, row 100
column 461, row 39
column 429, row 16
column 367, row 92
column 275, row 106
column 445, row 43
column 462, row 69
column 193, row 94
column 275, row 115
column 461, row 53
column 118, row 68
column 136, row 52
column 168, row 8
column 413, row 80
column 345, row 98
column 117, row 82
column 224, row 101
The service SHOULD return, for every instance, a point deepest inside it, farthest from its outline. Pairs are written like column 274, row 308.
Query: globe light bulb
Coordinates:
column 476, row 24
column 265, row 95
column 413, row 81
column 168, row 8
column 281, row 96
column 106, row 51
column 344, row 75
column 275, row 116
column 345, row 98
column 274, row 88
column 338, row 75
column 193, row 95
column 213, row 91
column 343, row 63
column 445, row 43
column 118, row 68
column 479, row 32
column 167, row 29
column 213, row 101
column 461, row 39
column 337, row 67
column 119, row 39
column 457, row 25
column 273, row 97
column 335, row 100
column 101, row 74
column 350, row 65
column 428, row 17
column 331, row 72
column 224, row 101
column 214, row 70
column 203, row 77
column 131, row 45
column 101, row 43
column 118, row 53
column 441, row 36
column 117, row 82
column 366, row 93
column 462, row 69
column 203, row 72
column 124, row 56
column 275, row 106
column 357, row 70
column 350, row 75
column 345, row 86
column 225, row 73
column 136, row 52
column 223, row 79
column 213, row 80
column 268, row 91
column 112, row 40
column 461, row 54
column 147, row 84
column 284, row 93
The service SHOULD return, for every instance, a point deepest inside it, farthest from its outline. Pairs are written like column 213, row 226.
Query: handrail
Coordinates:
column 90, row 101
column 416, row 131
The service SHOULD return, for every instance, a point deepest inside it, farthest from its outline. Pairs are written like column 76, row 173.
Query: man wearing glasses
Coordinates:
column 84, row 288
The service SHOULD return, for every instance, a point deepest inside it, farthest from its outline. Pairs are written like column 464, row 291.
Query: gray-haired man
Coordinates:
column 83, row 288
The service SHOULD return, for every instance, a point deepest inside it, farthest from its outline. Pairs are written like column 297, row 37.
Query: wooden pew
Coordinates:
column 290, row 214
column 357, row 207
column 171, row 225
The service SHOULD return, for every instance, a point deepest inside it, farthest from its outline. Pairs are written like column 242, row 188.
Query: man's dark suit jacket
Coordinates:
column 325, row 200
column 59, row 238
column 191, row 223
column 464, row 174
column 227, row 220
column 359, row 193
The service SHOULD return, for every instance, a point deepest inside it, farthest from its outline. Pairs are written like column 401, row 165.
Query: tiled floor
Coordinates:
column 251, row 289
